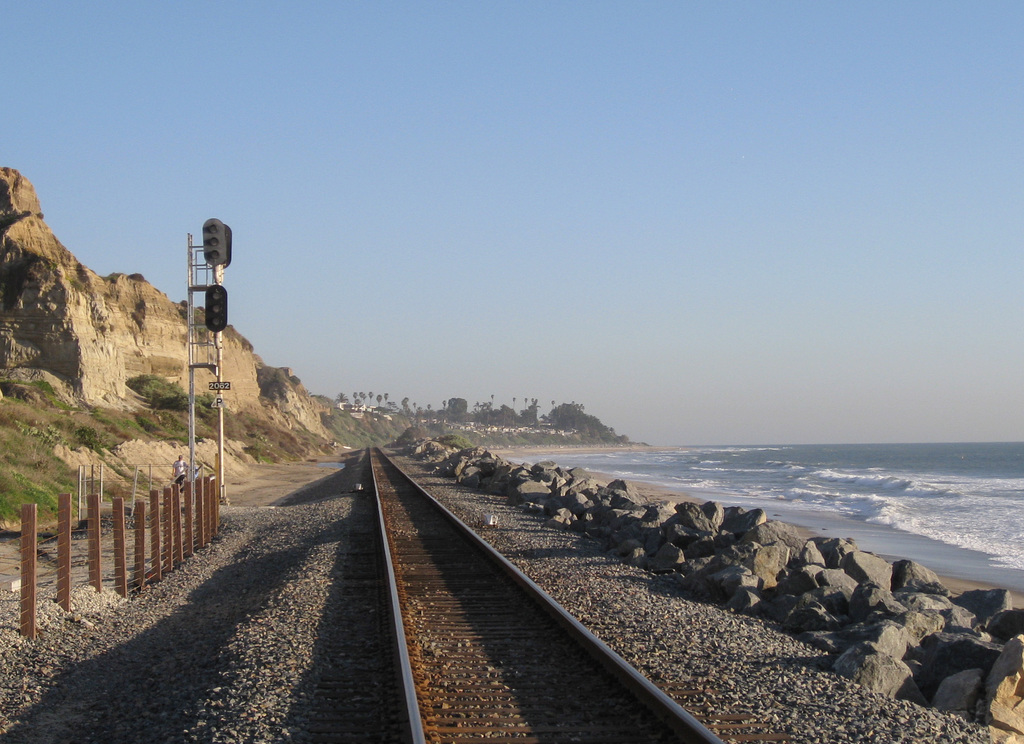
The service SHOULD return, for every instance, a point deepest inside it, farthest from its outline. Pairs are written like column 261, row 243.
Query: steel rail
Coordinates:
column 681, row 721
column 415, row 733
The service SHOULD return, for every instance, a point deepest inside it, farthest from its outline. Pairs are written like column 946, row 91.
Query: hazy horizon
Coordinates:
column 705, row 222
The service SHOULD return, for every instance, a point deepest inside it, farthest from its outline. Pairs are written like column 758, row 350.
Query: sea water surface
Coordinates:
column 956, row 508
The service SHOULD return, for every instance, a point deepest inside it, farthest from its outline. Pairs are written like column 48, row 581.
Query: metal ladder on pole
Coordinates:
column 203, row 344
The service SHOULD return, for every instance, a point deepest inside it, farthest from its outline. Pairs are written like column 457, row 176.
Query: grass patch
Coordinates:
column 159, row 393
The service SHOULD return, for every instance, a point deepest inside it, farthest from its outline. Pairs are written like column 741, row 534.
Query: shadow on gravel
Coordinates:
column 353, row 686
column 155, row 687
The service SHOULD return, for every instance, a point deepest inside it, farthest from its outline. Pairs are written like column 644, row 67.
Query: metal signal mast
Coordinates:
column 206, row 264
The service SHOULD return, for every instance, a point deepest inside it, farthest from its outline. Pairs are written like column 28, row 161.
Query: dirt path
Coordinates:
column 266, row 485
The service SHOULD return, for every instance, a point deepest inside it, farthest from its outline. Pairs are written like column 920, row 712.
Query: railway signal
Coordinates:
column 216, row 308
column 206, row 274
column 216, row 243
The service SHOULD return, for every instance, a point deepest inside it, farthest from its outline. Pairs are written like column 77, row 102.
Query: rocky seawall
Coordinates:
column 893, row 628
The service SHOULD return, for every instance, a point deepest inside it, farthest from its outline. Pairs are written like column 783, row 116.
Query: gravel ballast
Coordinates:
column 228, row 648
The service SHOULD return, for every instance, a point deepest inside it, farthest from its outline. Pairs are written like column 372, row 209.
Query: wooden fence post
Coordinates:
column 64, row 551
column 176, row 526
column 155, row 562
column 200, row 495
column 168, row 521
column 189, row 527
column 28, row 569
column 120, row 552
column 139, row 512
column 212, row 502
column 95, row 568
column 216, row 507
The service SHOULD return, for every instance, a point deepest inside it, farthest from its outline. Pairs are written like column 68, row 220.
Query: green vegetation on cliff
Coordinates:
column 34, row 423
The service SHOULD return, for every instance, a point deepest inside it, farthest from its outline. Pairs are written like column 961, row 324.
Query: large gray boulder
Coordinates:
column 887, row 637
column 682, row 535
column 702, row 547
column 561, row 521
column 864, row 566
column 725, row 583
column 577, row 503
column 945, row 654
column 811, row 617
column 838, row 579
column 544, row 466
column 879, row 673
column 869, row 598
column 810, row 555
column 1006, row 624
column 985, row 603
column 668, row 558
column 692, row 517
column 922, row 602
column 799, row 580
column 740, row 521
column 653, row 540
column 835, row 599
column 714, row 512
column 774, row 531
column 623, row 494
column 618, row 518
column 960, row 619
column 658, row 514
column 915, row 577
column 746, row 600
column 768, row 562
column 921, row 624
column 528, row 491
column 585, row 487
column 959, row 693
column 834, row 549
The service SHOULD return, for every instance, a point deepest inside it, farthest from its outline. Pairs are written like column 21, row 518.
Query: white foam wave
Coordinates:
column 872, row 480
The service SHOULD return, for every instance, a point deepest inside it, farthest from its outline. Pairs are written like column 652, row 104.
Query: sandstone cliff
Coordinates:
column 87, row 335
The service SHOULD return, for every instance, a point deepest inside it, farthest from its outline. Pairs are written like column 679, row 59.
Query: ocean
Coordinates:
column 956, row 508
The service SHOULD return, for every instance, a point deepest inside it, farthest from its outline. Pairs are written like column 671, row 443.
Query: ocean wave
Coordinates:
column 994, row 535
column 872, row 481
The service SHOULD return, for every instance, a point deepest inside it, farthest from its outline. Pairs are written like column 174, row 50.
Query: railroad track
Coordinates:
column 490, row 657
column 437, row 638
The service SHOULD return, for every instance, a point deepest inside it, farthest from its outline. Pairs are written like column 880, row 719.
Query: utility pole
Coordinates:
column 205, row 341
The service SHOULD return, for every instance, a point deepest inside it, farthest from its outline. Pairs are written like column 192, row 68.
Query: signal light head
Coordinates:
column 216, row 243
column 216, row 308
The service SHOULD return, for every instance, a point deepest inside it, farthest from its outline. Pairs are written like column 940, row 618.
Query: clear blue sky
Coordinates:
column 742, row 222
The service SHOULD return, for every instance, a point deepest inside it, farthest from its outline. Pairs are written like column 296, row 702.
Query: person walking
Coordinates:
column 180, row 469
